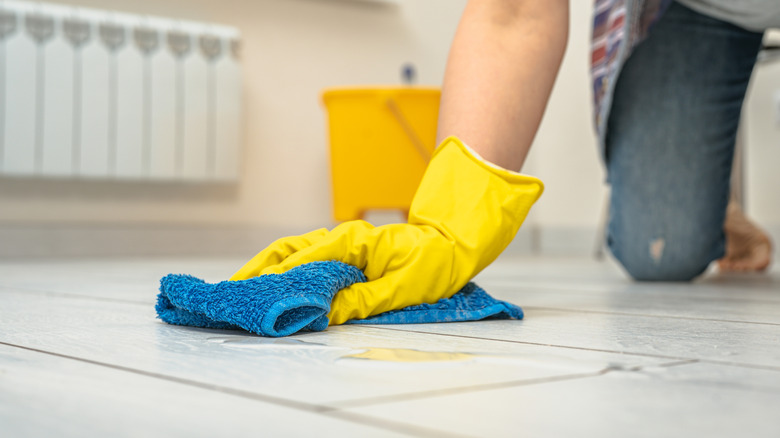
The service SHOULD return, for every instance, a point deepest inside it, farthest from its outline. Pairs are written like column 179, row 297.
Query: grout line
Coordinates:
column 461, row 390
column 24, row 290
column 741, row 365
column 227, row 390
column 404, row 428
column 678, row 363
column 574, row 289
column 560, row 309
column 408, row 429
column 395, row 398
column 598, row 350
column 645, row 315
column 7, row 289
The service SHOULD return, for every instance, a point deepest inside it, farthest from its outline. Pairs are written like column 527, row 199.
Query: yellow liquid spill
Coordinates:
column 409, row 356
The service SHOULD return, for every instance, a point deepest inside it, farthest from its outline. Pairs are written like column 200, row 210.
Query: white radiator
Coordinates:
column 99, row 94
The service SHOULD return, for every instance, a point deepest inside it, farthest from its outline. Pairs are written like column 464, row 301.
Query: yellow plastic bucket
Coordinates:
column 381, row 140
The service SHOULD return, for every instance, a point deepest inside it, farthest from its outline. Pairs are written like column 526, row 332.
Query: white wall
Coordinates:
column 292, row 49
column 762, row 146
column 565, row 153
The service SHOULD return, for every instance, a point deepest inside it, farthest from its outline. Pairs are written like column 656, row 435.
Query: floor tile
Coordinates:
column 694, row 301
column 716, row 341
column 695, row 400
column 597, row 355
column 48, row 396
column 112, row 279
column 314, row 367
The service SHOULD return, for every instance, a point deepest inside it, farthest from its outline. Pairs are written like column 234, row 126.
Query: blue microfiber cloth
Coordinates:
column 283, row 304
column 471, row 303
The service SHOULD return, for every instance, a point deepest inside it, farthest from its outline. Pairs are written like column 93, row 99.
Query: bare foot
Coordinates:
column 748, row 248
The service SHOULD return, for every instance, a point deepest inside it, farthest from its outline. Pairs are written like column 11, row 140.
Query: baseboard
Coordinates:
column 85, row 240
column 93, row 240
column 98, row 240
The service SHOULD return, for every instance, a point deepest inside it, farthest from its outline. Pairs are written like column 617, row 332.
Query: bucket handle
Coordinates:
column 407, row 127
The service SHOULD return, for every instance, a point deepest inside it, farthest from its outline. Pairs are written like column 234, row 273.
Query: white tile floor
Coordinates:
column 81, row 354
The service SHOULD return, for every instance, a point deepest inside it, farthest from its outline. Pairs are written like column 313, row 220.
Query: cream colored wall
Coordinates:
column 565, row 153
column 292, row 49
column 762, row 146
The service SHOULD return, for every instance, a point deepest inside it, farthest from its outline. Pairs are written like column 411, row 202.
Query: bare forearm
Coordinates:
column 501, row 69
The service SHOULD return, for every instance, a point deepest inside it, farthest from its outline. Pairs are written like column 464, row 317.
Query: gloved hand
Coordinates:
column 464, row 214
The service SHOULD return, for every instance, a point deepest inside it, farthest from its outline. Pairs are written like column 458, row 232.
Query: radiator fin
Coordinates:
column 106, row 95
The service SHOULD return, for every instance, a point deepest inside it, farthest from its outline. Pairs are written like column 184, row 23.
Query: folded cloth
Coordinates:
column 471, row 303
column 299, row 299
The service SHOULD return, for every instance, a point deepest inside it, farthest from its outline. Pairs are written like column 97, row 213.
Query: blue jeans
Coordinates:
column 670, row 144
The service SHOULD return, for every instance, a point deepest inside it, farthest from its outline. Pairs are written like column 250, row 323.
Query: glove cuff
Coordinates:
column 506, row 174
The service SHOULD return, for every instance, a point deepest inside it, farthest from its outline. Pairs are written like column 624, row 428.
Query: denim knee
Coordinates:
column 670, row 141
column 657, row 259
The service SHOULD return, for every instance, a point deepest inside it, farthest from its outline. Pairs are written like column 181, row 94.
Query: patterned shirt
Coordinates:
column 618, row 26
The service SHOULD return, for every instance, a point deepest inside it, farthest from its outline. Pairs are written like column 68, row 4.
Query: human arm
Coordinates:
column 468, row 206
column 500, row 72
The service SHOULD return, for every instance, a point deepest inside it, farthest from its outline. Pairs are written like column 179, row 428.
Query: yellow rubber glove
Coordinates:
column 464, row 214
